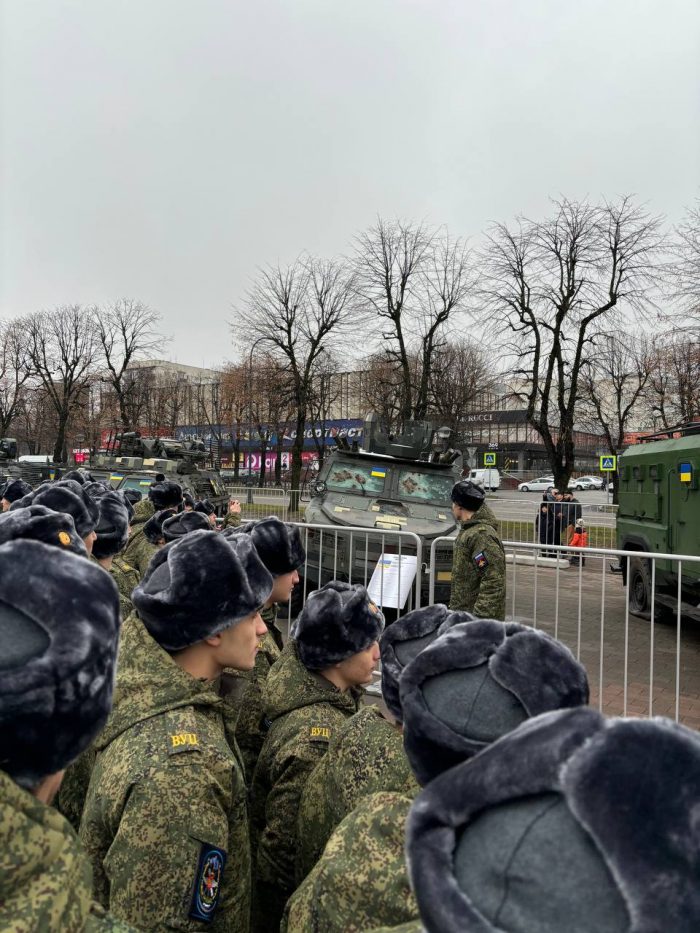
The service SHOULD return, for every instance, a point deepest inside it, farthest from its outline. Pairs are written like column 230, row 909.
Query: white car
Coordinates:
column 586, row 482
column 541, row 484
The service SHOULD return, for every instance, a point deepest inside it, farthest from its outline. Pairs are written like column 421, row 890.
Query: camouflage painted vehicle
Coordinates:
column 659, row 512
column 397, row 483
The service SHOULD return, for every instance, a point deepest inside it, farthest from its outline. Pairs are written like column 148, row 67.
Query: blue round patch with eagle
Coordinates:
column 207, row 887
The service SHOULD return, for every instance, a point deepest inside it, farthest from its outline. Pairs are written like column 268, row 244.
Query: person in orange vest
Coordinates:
column 579, row 539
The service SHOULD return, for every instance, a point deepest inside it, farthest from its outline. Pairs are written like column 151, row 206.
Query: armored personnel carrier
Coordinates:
column 132, row 462
column 395, row 483
column 32, row 470
column 659, row 512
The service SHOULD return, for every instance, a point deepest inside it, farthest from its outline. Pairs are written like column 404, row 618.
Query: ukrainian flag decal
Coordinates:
column 380, row 473
column 685, row 472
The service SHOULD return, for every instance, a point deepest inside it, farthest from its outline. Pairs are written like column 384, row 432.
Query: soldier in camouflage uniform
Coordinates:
column 279, row 547
column 165, row 819
column 479, row 563
column 147, row 543
column 309, row 693
column 361, row 881
column 161, row 495
column 60, row 623
column 232, row 519
column 70, row 497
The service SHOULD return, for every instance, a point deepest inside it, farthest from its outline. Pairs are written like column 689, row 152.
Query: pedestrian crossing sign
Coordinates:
column 490, row 460
column 608, row 464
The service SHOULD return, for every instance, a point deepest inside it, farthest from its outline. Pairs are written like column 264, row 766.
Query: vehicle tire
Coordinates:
column 524, row 489
column 579, row 488
column 639, row 586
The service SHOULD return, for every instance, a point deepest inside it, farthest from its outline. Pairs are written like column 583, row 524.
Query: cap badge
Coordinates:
column 64, row 538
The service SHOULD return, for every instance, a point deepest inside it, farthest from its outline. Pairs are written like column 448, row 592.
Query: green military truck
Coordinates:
column 659, row 513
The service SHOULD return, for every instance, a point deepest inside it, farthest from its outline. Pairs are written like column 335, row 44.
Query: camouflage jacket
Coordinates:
column 479, row 570
column 143, row 510
column 303, row 710
column 165, row 819
column 231, row 520
column 126, row 577
column 138, row 553
column 365, row 756
column 360, row 881
column 46, row 879
column 250, row 731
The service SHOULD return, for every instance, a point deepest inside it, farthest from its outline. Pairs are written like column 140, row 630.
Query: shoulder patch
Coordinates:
column 481, row 561
column 182, row 742
column 319, row 734
column 207, row 882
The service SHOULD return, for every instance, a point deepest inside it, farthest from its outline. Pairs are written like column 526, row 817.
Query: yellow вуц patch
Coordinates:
column 320, row 733
column 183, row 738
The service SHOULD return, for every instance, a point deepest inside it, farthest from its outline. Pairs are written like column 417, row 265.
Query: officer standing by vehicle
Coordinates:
column 479, row 563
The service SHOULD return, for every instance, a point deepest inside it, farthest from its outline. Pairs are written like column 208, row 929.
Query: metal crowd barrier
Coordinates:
column 635, row 667
column 516, row 521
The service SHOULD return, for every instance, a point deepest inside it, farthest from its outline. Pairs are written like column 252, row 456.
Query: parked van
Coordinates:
column 489, row 478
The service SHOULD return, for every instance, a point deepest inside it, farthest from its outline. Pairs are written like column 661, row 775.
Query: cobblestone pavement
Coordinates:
column 550, row 600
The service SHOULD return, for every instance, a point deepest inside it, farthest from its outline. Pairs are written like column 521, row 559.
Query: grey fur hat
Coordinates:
column 405, row 638
column 183, row 523
column 65, row 496
column 278, row 544
column 132, row 495
column 97, row 489
column 571, row 822
column 113, row 526
column 477, row 682
column 467, row 495
column 165, row 495
column 57, row 657
column 199, row 585
column 337, row 621
column 127, row 502
column 188, row 499
column 204, row 506
column 37, row 523
column 15, row 489
column 82, row 477
column 153, row 528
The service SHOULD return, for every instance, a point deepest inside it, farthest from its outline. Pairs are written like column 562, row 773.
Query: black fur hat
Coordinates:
column 65, row 496
column 132, row 495
column 113, row 527
column 37, row 523
column 277, row 543
column 165, row 495
column 82, row 477
column 127, row 503
column 571, row 822
column 337, row 621
column 97, row 489
column 188, row 500
column 204, row 506
column 405, row 638
column 468, row 495
column 183, row 523
column 199, row 585
column 477, row 682
column 153, row 528
column 15, row 489
column 57, row 657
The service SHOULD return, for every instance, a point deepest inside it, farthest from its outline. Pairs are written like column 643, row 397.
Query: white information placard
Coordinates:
column 392, row 580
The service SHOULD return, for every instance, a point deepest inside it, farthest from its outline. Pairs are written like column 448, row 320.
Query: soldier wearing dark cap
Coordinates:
column 476, row 682
column 149, row 539
column 161, row 495
column 57, row 657
column 479, row 563
column 111, row 536
column 309, row 693
column 188, row 502
column 206, row 508
column 279, row 547
column 165, row 819
column 37, row 523
column 366, row 754
column 183, row 523
column 13, row 490
column 70, row 497
column 573, row 822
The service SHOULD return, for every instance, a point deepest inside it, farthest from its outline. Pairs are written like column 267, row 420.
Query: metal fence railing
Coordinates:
column 635, row 667
column 269, row 500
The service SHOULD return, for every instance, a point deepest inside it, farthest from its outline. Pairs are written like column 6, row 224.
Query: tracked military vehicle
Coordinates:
column 659, row 512
column 132, row 462
column 395, row 483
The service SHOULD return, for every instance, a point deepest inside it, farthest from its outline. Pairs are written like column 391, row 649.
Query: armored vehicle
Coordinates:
column 659, row 512
column 396, row 483
column 32, row 470
column 132, row 462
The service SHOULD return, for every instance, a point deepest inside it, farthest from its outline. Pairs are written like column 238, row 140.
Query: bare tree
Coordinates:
column 293, row 312
column 553, row 284
column 62, row 352
column 672, row 391
column 14, row 371
column 382, row 388
column 234, row 387
column 126, row 331
column 325, row 390
column 685, row 268
column 460, row 375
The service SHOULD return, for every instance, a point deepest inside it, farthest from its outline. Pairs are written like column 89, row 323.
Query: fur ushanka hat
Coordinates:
column 153, row 528
column 57, row 657
column 572, row 822
column 132, row 495
column 37, row 523
column 477, row 682
column 337, row 621
column 405, row 638
column 183, row 523
column 67, row 496
column 113, row 527
column 277, row 543
column 15, row 489
column 82, row 477
column 204, row 506
column 165, row 495
column 199, row 585
column 467, row 495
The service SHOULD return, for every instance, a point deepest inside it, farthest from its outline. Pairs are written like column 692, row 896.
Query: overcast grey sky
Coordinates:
column 164, row 149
